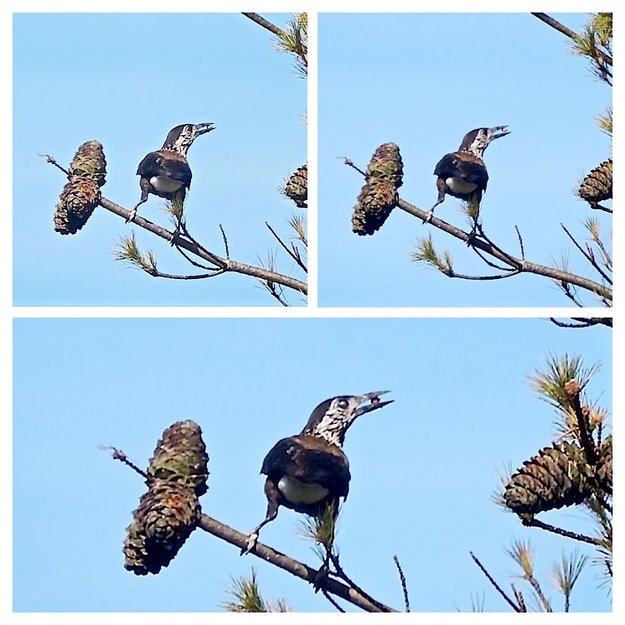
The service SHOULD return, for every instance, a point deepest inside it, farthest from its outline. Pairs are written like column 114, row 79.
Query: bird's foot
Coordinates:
column 428, row 217
column 132, row 215
column 174, row 237
column 320, row 576
column 252, row 539
column 471, row 237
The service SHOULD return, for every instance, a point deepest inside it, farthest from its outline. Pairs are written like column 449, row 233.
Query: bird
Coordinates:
column 309, row 472
column 463, row 173
column 166, row 172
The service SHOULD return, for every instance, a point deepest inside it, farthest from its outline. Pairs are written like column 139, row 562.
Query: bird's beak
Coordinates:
column 499, row 131
column 204, row 127
column 371, row 401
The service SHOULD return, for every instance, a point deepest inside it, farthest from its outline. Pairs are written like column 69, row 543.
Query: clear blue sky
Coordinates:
column 423, row 81
column 125, row 80
column 423, row 468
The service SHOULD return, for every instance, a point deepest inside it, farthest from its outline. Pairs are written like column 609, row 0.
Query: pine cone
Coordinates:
column 378, row 196
column 77, row 202
column 597, row 185
column 386, row 163
column 556, row 477
column 81, row 193
column 373, row 206
column 296, row 187
column 165, row 518
column 89, row 161
column 180, row 456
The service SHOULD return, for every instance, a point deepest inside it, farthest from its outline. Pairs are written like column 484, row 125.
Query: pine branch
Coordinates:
column 516, row 265
column 286, row 563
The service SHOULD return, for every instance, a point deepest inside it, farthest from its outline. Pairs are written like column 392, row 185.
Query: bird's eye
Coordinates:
column 342, row 403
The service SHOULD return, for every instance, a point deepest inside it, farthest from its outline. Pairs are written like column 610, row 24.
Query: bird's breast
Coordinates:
column 299, row 492
column 460, row 186
column 165, row 185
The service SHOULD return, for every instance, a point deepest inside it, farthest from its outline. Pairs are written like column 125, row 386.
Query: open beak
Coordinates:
column 499, row 131
column 204, row 127
column 371, row 401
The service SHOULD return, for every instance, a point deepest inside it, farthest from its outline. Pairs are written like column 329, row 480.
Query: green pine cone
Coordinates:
column 386, row 163
column 76, row 204
column 597, row 185
column 89, row 161
column 180, row 456
column 556, row 477
column 296, row 187
column 165, row 518
column 377, row 199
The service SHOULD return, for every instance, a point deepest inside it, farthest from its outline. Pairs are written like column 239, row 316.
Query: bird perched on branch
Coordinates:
column 463, row 174
column 309, row 472
column 166, row 172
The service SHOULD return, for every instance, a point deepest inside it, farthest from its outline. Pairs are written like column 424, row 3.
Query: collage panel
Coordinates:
column 160, row 173
column 146, row 452
column 472, row 146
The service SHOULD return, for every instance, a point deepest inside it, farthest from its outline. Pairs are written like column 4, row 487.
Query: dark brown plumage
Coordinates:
column 309, row 472
column 166, row 172
column 463, row 173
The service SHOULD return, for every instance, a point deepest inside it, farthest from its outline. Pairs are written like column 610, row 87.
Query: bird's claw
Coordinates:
column 320, row 576
column 252, row 539
column 132, row 215
column 428, row 217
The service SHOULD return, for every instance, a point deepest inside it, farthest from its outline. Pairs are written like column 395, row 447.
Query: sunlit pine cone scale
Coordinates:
column 378, row 196
column 373, row 206
column 89, row 161
column 77, row 202
column 386, row 164
column 556, row 477
column 164, row 519
column 180, row 456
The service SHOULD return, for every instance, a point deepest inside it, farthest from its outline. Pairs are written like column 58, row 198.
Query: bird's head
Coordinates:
column 479, row 139
column 332, row 417
column 180, row 138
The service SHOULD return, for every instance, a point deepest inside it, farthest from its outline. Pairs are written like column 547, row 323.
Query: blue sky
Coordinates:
column 125, row 80
column 423, row 81
column 423, row 468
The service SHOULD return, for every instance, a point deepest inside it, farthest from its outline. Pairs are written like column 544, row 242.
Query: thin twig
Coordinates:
column 53, row 161
column 587, row 255
column 331, row 599
column 404, row 587
column 497, row 587
column 295, row 257
column 520, row 238
column 519, row 597
column 343, row 575
column 531, row 522
column 350, row 163
column 261, row 21
column 225, row 240
column 539, row 593
column 581, row 322
column 118, row 454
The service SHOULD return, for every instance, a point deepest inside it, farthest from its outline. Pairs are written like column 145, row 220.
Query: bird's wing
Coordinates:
column 169, row 165
column 461, row 165
column 309, row 459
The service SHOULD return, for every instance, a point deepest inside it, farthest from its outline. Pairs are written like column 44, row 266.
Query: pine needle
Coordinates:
column 246, row 597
